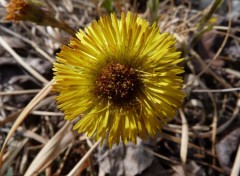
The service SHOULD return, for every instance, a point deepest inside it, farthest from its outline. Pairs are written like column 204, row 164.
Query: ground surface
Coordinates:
column 202, row 139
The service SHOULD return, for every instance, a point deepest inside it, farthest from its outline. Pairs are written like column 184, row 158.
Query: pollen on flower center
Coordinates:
column 117, row 81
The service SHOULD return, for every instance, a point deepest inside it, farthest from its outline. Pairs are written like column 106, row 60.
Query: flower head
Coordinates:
column 34, row 11
column 21, row 10
column 121, row 76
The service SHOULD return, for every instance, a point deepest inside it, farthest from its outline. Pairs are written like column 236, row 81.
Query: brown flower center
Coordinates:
column 117, row 82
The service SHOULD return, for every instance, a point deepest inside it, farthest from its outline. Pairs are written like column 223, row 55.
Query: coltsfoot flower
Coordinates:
column 34, row 11
column 121, row 76
column 27, row 10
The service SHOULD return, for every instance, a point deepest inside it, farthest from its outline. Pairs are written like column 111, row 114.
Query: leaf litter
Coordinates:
column 203, row 138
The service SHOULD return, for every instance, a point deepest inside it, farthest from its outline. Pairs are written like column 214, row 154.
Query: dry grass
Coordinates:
column 49, row 146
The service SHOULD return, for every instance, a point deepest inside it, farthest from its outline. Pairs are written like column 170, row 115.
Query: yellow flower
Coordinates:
column 121, row 76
